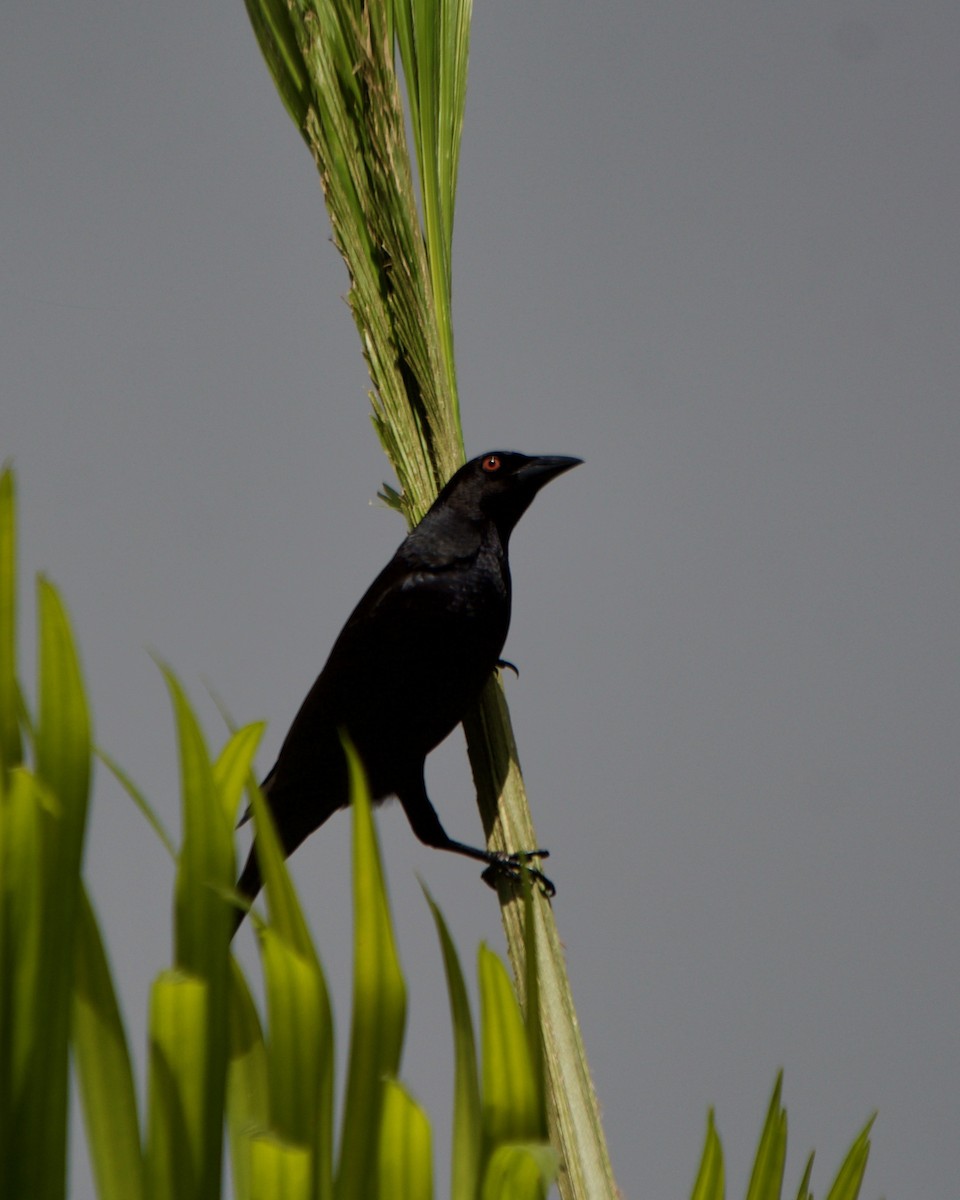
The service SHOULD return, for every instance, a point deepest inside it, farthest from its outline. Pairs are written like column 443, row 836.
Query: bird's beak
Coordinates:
column 544, row 467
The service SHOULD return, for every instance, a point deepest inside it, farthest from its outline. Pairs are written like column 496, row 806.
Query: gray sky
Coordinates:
column 713, row 250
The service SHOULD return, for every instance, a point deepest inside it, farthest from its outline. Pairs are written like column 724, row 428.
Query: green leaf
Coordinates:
column 434, row 39
column 63, row 771
column 300, row 1061
column 42, row 822
column 22, row 883
column 103, row 1068
column 520, row 1172
column 286, row 916
column 139, row 800
column 279, row 1171
column 204, row 915
column 277, row 39
column 399, row 294
column 232, row 769
column 379, row 1000
column 766, row 1181
column 207, row 863
column 63, row 728
column 405, row 1159
column 709, row 1184
column 466, row 1144
column 847, row 1184
column 248, row 1108
column 11, row 749
column 803, row 1192
column 510, row 1109
column 178, row 1143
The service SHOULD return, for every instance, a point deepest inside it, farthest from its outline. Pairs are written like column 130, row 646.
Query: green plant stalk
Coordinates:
column 573, row 1112
column 399, row 295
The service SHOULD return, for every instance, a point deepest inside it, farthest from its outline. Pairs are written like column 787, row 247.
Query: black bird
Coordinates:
column 414, row 654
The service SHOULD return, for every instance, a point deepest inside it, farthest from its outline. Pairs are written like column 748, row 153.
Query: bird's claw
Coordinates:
column 504, row 664
column 511, row 868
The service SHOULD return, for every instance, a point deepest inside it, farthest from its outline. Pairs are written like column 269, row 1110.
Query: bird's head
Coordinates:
column 501, row 484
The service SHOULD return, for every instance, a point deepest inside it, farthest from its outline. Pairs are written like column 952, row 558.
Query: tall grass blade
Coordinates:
column 766, row 1180
column 300, row 1059
column 147, row 811
column 104, row 1069
column 178, row 1143
column 11, row 749
column 231, row 771
column 803, row 1192
column 379, row 1001
column 518, row 1172
column 510, row 1101
column 434, row 39
column 204, row 915
column 850, row 1176
column 299, row 1063
column 42, row 822
column 355, row 129
column 248, row 1108
column 63, row 754
column 466, row 1144
column 709, row 1183
column 405, row 1167
column 22, row 886
column 278, row 43
column 279, row 1171
column 286, row 915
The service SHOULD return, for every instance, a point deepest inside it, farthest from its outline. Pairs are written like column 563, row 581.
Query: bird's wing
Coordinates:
column 417, row 577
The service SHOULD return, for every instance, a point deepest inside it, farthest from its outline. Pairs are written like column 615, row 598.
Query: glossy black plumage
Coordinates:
column 413, row 655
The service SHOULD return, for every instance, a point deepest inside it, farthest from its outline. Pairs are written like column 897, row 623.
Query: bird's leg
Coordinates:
column 512, row 868
column 500, row 865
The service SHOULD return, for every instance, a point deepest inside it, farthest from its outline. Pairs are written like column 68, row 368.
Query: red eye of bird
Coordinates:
column 492, row 463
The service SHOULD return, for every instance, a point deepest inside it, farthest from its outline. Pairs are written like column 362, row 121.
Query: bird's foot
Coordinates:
column 504, row 664
column 511, row 868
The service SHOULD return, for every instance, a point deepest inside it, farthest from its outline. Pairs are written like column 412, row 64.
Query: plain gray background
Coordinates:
column 713, row 250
